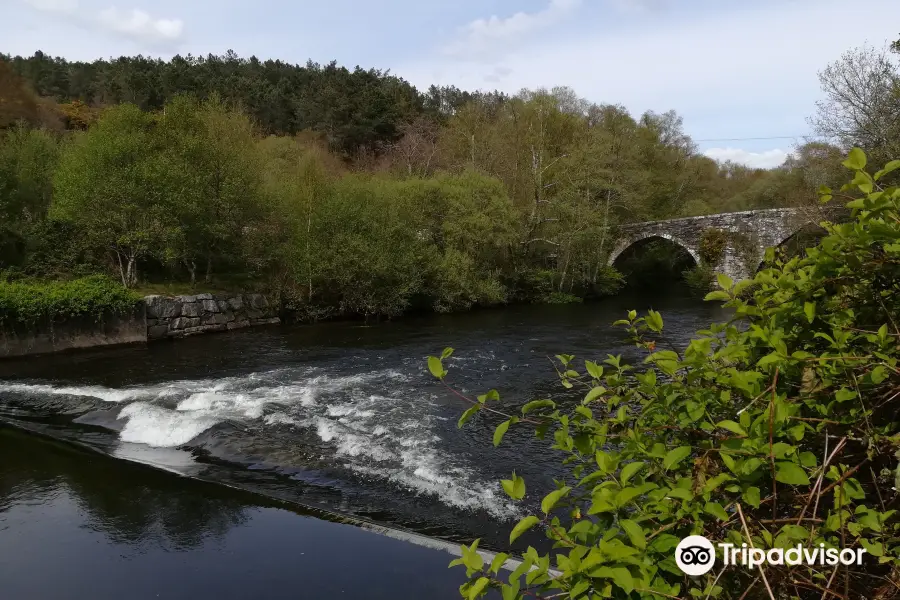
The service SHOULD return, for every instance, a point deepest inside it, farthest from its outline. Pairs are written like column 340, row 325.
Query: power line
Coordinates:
column 773, row 137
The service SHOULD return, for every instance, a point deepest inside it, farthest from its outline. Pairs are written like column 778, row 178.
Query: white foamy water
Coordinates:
column 390, row 435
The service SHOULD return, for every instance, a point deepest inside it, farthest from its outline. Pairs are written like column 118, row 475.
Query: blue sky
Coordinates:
column 732, row 69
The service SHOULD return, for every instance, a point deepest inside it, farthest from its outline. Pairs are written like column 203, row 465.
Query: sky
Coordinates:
column 734, row 70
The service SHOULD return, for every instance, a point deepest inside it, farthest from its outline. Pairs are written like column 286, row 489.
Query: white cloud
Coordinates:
column 639, row 5
column 53, row 5
column 748, row 70
column 768, row 159
column 135, row 24
column 493, row 35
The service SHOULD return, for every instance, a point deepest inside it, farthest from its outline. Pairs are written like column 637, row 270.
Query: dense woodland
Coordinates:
column 351, row 192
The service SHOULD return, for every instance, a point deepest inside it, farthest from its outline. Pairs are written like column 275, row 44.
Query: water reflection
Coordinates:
column 130, row 505
column 77, row 524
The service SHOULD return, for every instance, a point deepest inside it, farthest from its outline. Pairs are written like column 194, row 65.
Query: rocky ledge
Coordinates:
column 179, row 316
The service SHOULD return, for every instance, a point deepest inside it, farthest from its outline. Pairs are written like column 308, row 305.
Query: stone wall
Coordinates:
column 82, row 332
column 179, row 316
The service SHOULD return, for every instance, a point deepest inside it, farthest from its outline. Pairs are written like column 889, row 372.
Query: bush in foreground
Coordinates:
column 777, row 428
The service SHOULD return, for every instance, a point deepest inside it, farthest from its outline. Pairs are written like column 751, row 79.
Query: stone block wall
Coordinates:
column 49, row 336
column 179, row 316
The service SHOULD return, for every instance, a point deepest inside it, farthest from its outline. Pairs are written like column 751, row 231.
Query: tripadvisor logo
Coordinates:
column 695, row 555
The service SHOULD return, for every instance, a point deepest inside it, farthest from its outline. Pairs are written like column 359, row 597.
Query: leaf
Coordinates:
column 467, row 415
column 856, row 160
column 500, row 432
column 593, row 369
column 491, row 395
column 626, row 495
column 635, row 533
column 594, row 393
column 725, row 282
column 436, row 367
column 523, row 526
column 810, row 309
column 515, row 487
column 470, row 557
column 716, row 510
column 863, row 182
column 552, row 498
column 498, row 561
column 676, row 456
column 478, row 587
column 680, row 493
column 878, row 374
column 751, row 496
column 654, row 321
column 619, row 575
column 446, row 353
column 768, row 359
column 790, row 473
column 891, row 166
column 717, row 295
column 536, row 404
column 510, row 592
column 629, row 470
column 732, row 427
column 843, row 394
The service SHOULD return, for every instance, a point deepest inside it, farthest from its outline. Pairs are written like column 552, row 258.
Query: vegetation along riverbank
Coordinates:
column 349, row 192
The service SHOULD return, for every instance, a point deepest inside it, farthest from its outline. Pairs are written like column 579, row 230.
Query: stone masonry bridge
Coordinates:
column 756, row 229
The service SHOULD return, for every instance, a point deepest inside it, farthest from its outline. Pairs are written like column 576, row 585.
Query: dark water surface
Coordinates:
column 337, row 416
column 79, row 525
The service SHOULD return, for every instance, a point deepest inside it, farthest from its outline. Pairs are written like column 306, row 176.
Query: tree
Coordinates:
column 296, row 182
column 213, row 180
column 17, row 101
column 862, row 103
column 110, row 185
column 415, row 151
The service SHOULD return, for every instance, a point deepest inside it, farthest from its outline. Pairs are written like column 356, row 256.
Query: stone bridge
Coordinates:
column 756, row 230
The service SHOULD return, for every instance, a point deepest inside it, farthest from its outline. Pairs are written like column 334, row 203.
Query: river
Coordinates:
column 340, row 417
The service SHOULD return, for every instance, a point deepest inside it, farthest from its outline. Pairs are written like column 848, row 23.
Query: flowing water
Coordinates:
column 342, row 417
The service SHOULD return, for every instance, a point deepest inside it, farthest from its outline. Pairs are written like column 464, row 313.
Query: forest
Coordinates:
column 351, row 193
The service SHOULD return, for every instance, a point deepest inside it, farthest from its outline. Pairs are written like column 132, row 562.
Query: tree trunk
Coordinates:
column 208, row 277
column 130, row 272
column 121, row 268
column 192, row 269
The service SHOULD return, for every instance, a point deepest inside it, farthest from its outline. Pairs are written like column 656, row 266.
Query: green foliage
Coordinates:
column 712, row 246
column 699, row 278
column 776, row 428
column 30, row 303
column 110, row 183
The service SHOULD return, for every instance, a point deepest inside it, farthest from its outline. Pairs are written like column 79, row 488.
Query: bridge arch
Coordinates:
column 631, row 241
column 807, row 228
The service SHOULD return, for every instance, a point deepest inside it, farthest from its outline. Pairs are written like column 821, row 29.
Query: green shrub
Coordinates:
column 608, row 282
column 28, row 303
column 560, row 298
column 775, row 429
column 712, row 246
column 699, row 279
